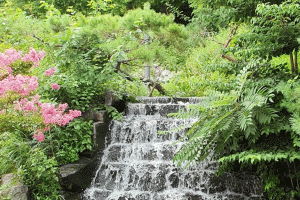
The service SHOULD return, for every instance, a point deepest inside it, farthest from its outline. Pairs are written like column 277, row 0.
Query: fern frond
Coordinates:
column 264, row 114
column 295, row 123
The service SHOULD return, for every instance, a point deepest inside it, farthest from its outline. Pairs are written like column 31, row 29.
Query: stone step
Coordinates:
column 163, row 177
column 154, row 176
column 166, row 195
column 138, row 195
column 153, row 109
column 145, row 129
column 163, row 151
column 169, row 100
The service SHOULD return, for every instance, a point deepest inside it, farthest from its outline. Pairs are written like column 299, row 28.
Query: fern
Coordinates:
column 222, row 118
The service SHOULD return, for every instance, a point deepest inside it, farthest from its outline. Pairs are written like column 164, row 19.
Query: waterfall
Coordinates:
column 137, row 163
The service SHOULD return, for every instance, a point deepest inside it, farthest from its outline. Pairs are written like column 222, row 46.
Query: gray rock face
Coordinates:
column 13, row 188
column 77, row 176
column 137, row 162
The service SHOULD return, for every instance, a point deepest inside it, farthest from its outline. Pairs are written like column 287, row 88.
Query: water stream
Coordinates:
column 137, row 163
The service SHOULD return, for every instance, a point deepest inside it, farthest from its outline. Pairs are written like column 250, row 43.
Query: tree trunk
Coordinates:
column 292, row 62
column 295, row 61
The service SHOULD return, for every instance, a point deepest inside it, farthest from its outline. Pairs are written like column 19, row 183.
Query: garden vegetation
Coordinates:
column 58, row 58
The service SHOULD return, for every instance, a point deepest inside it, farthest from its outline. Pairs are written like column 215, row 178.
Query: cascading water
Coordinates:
column 137, row 162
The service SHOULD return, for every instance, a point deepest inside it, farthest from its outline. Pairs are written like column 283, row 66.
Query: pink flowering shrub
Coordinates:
column 22, row 85
column 15, row 92
column 50, row 71
column 54, row 86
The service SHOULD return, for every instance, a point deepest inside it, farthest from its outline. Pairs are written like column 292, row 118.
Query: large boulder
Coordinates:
column 12, row 188
column 77, row 176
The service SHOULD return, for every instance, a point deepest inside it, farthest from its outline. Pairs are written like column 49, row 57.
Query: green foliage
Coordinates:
column 14, row 152
column 113, row 113
column 22, row 156
column 216, row 14
column 21, row 67
column 146, row 19
column 199, row 85
column 66, row 143
column 223, row 118
column 251, row 122
column 41, row 175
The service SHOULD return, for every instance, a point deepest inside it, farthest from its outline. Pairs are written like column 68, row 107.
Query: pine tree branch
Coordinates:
column 155, row 85
column 212, row 39
column 231, row 34
column 39, row 39
column 228, row 57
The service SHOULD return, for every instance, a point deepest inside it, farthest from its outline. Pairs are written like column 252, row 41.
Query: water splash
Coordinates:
column 137, row 162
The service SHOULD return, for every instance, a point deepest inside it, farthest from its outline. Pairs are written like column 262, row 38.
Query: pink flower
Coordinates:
column 20, row 84
column 54, row 86
column 1, row 111
column 40, row 136
column 63, row 106
column 17, row 106
column 34, row 57
column 9, row 56
column 23, row 101
column 29, row 106
column 36, row 98
column 41, row 55
column 75, row 113
column 46, row 129
column 50, row 71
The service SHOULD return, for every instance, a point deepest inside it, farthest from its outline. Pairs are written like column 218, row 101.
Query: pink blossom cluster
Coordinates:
column 40, row 136
column 54, row 115
column 54, row 86
column 24, row 85
column 50, row 71
column 6, row 58
column 49, row 112
column 20, row 84
column 11, row 55
column 34, row 57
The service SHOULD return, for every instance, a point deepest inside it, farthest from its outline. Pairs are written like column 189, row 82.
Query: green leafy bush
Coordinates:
column 146, row 19
column 24, row 157
column 40, row 174
column 66, row 143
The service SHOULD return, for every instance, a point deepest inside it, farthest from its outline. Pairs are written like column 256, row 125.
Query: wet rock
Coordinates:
column 13, row 188
column 190, row 196
column 257, row 198
column 151, row 155
column 211, row 166
column 145, row 182
column 168, row 152
column 244, row 183
column 141, row 163
column 77, row 176
column 158, row 183
column 234, row 197
column 174, row 180
column 143, row 196
column 216, row 184
column 192, row 180
column 101, row 194
column 114, row 153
